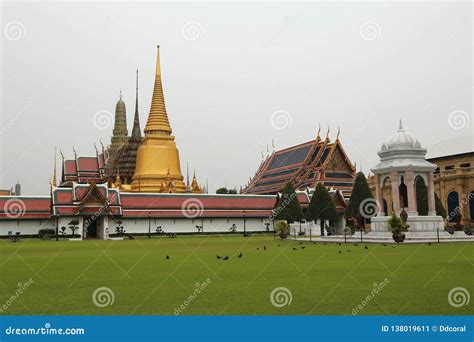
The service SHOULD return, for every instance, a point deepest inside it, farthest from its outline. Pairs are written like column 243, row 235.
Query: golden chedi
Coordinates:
column 158, row 168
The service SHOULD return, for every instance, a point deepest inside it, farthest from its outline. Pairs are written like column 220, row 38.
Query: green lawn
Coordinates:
column 321, row 280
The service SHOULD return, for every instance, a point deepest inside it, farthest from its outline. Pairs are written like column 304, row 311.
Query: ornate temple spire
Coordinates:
column 53, row 181
column 400, row 125
column 136, row 132
column 158, row 123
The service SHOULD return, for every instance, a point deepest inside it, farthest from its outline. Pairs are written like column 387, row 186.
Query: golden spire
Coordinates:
column 158, row 123
column 53, row 182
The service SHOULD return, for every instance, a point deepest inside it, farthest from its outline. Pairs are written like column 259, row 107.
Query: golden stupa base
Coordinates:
column 165, row 185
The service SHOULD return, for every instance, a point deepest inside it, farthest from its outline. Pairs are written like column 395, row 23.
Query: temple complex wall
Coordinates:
column 25, row 227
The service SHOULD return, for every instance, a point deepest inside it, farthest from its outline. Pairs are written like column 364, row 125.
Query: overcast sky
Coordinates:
column 235, row 77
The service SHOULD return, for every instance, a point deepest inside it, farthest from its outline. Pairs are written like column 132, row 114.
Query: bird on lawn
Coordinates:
column 258, row 249
column 225, row 258
column 356, row 244
column 366, row 247
column 429, row 243
column 300, row 243
column 294, row 249
column 348, row 250
column 218, row 257
column 167, row 257
column 339, row 252
column 302, row 247
column 264, row 248
column 240, row 255
column 339, row 243
column 384, row 245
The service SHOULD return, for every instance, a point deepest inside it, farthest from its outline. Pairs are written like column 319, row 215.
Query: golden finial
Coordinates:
column 102, row 145
column 327, row 134
column 62, row 155
column 96, row 150
column 158, row 66
column 75, row 153
column 53, row 182
column 319, row 131
column 273, row 144
column 338, row 132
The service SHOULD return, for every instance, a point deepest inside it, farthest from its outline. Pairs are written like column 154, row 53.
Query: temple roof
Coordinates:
column 305, row 165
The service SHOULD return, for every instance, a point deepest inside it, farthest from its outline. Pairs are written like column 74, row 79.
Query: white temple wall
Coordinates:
column 182, row 225
column 25, row 227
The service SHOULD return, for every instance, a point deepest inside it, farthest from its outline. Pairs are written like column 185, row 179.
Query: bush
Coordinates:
column 450, row 229
column 48, row 236
column 46, row 231
column 469, row 230
column 282, row 228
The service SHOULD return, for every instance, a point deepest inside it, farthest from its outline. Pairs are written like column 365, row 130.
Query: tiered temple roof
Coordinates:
column 305, row 165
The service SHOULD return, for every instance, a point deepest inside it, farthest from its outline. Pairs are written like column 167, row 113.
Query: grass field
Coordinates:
column 320, row 280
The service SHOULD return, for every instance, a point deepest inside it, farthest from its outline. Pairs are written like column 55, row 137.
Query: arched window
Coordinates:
column 453, row 206
column 471, row 205
column 403, row 193
column 421, row 196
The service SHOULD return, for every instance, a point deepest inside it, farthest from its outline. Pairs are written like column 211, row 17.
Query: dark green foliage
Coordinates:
column 440, row 211
column 222, row 190
column 421, row 197
column 321, row 207
column 46, row 231
column 288, row 207
column 360, row 192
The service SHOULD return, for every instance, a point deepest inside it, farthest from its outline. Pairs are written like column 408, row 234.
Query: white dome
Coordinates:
column 402, row 138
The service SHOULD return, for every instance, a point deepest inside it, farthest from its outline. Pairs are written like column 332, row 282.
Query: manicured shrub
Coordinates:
column 46, row 231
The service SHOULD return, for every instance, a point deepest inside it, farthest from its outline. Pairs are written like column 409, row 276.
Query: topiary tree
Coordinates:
column 440, row 211
column 288, row 207
column 321, row 207
column 73, row 226
column 421, row 197
column 360, row 192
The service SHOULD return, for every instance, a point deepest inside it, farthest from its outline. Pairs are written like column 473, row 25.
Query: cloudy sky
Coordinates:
column 235, row 76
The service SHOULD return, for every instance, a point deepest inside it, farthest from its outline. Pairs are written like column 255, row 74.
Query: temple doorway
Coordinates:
column 91, row 227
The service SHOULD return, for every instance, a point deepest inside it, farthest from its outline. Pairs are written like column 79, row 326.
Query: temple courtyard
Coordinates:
column 229, row 274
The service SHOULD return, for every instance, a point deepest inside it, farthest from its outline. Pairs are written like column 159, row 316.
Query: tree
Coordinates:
column 321, row 207
column 288, row 207
column 440, row 211
column 225, row 191
column 73, row 226
column 360, row 193
column 421, row 197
